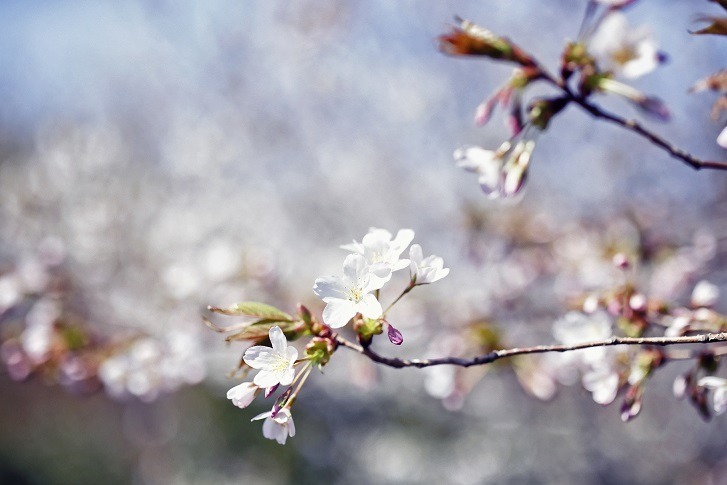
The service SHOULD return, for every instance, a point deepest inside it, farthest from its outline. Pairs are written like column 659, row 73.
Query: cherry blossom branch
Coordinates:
column 636, row 127
column 632, row 125
column 539, row 349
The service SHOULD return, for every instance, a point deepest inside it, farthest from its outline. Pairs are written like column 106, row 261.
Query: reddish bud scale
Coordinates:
column 469, row 39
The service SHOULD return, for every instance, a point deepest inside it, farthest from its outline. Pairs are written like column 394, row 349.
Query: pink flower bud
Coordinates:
column 394, row 335
column 621, row 261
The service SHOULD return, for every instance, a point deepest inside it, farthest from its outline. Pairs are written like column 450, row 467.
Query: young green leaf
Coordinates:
column 254, row 309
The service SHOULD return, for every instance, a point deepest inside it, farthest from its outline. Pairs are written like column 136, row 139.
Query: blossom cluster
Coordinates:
column 354, row 295
column 718, row 81
column 607, row 47
column 610, row 371
column 367, row 269
column 48, row 334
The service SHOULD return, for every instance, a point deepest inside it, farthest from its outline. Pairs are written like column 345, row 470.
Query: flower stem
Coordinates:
column 406, row 290
column 490, row 357
column 305, row 373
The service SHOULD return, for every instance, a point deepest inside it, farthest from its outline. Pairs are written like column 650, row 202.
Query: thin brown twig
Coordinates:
column 636, row 127
column 632, row 125
column 490, row 357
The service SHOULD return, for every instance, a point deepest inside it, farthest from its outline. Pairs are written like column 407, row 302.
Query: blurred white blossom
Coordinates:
column 603, row 382
column 629, row 51
column 722, row 138
column 719, row 387
column 705, row 294
column 425, row 270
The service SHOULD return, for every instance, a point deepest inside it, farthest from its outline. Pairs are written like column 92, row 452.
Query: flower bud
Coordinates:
column 319, row 350
column 574, row 58
column 394, row 335
column 632, row 403
column 543, row 110
column 470, row 39
column 621, row 261
column 304, row 313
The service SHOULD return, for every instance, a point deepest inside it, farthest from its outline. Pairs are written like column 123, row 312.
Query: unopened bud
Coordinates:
column 621, row 261
column 394, row 335
column 543, row 110
column 304, row 313
column 473, row 40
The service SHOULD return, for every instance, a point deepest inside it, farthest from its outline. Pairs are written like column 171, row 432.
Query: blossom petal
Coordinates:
column 287, row 378
column 260, row 416
column 712, row 382
column 354, row 267
column 490, row 181
column 370, row 307
column 242, row 394
column 355, row 247
column 403, row 238
column 268, row 378
column 401, row 264
column 720, row 400
column 277, row 338
column 473, row 158
column 329, row 287
column 415, row 255
column 722, row 138
column 258, row 356
column 274, row 431
column 380, row 270
column 338, row 312
column 376, row 233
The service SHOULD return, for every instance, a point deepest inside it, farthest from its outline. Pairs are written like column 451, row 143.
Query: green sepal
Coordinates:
column 366, row 328
column 319, row 350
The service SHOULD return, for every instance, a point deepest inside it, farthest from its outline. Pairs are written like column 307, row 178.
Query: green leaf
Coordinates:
column 258, row 331
column 254, row 309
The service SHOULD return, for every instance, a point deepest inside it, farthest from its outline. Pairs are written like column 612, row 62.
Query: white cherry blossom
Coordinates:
column 277, row 427
column 381, row 252
column 502, row 173
column 275, row 364
column 243, row 394
column 631, row 52
column 425, row 270
column 350, row 294
column 487, row 164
